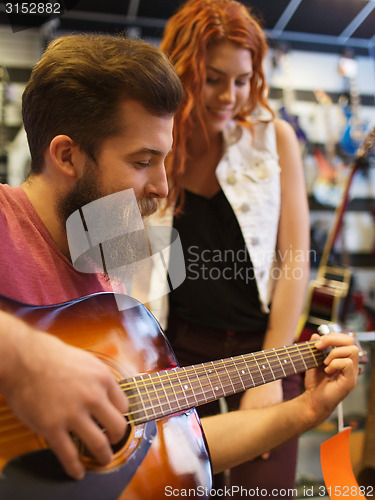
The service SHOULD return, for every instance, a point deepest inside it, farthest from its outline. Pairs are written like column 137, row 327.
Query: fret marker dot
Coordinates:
column 186, row 387
column 243, row 372
column 263, row 367
column 284, row 360
column 216, row 388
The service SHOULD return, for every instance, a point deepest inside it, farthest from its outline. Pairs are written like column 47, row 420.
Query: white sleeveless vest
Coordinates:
column 249, row 175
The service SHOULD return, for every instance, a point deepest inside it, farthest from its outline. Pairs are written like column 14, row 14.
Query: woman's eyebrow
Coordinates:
column 248, row 73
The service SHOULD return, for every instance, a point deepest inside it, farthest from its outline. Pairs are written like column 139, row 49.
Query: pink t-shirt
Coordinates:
column 32, row 268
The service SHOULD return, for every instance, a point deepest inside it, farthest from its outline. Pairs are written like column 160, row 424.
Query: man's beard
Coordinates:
column 121, row 251
column 88, row 189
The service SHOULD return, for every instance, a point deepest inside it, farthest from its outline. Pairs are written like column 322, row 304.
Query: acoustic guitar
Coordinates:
column 327, row 293
column 355, row 128
column 329, row 185
column 282, row 63
column 164, row 450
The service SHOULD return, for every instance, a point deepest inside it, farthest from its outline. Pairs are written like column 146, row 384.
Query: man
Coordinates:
column 98, row 112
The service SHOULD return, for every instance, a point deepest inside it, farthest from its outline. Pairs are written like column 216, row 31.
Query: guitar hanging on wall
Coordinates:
column 326, row 294
column 164, row 450
column 355, row 128
column 281, row 64
column 329, row 185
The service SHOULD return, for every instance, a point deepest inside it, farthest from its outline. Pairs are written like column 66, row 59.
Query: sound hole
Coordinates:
column 118, row 446
column 86, row 453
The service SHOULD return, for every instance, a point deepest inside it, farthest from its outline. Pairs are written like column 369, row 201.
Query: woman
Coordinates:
column 239, row 202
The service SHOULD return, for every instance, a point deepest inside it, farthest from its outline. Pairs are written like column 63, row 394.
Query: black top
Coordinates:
column 220, row 289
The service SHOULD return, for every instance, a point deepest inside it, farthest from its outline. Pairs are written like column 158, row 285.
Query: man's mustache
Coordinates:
column 147, row 206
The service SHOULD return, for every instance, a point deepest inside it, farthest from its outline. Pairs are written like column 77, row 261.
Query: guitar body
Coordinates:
column 329, row 186
column 355, row 128
column 354, row 132
column 325, row 300
column 169, row 453
column 293, row 120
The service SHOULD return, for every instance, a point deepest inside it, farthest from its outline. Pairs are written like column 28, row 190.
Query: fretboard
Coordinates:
column 155, row 395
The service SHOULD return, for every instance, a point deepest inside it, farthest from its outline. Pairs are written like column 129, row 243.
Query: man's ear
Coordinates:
column 66, row 156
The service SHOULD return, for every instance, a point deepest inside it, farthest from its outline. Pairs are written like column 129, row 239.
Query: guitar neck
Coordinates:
column 365, row 150
column 155, row 395
column 338, row 218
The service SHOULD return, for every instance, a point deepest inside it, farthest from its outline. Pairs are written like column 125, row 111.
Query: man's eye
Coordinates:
column 212, row 80
column 143, row 163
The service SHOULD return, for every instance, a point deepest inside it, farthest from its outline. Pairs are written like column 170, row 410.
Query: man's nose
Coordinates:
column 157, row 185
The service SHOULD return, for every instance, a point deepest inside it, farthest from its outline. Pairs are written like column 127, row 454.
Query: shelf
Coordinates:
column 354, row 205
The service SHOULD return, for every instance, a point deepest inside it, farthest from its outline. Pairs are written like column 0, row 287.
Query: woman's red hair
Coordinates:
column 198, row 24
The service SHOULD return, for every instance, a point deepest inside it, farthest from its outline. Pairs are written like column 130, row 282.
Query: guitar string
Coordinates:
column 151, row 411
column 203, row 369
column 209, row 386
column 157, row 379
column 206, row 388
column 9, row 435
column 250, row 359
column 150, row 400
column 164, row 376
column 221, row 372
column 136, row 420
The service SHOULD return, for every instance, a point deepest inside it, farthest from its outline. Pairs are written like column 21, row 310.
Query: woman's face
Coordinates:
column 227, row 87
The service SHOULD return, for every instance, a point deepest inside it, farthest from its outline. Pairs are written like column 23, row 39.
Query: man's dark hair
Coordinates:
column 77, row 86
